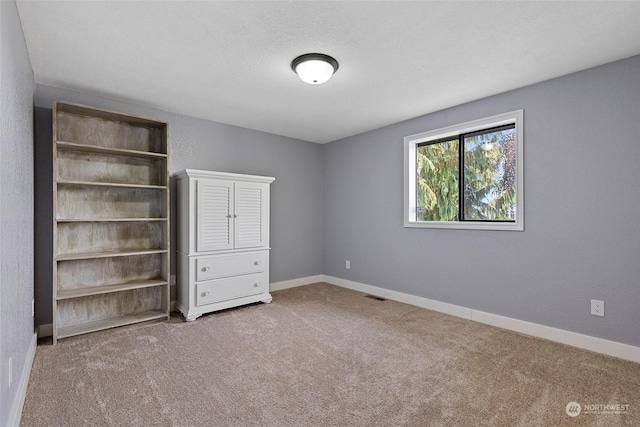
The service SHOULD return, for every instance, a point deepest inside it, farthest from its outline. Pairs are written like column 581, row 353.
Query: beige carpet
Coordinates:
column 320, row 355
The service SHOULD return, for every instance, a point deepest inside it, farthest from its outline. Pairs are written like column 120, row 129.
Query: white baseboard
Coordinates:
column 278, row 286
column 574, row 339
column 442, row 307
column 21, row 393
column 586, row 342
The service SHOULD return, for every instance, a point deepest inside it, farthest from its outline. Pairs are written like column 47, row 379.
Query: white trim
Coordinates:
column 15, row 412
column 410, row 146
column 574, row 339
column 442, row 307
column 302, row 281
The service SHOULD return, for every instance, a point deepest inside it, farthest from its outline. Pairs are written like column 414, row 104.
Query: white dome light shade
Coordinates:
column 314, row 72
column 314, row 68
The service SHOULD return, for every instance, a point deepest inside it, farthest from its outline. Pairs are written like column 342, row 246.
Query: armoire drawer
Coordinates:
column 213, row 267
column 232, row 287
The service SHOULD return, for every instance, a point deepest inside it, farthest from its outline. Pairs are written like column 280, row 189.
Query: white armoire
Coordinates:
column 222, row 241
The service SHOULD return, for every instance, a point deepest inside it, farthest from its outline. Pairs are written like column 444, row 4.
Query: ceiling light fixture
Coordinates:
column 314, row 68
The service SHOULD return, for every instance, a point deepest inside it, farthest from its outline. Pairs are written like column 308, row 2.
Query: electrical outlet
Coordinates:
column 597, row 307
column 347, row 265
column 10, row 373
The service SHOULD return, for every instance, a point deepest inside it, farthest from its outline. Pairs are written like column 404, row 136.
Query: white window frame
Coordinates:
column 410, row 146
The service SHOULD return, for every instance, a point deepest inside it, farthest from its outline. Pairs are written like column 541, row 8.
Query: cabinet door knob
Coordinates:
column 205, row 294
column 229, row 216
column 207, row 268
column 255, row 285
column 256, row 262
column 235, row 216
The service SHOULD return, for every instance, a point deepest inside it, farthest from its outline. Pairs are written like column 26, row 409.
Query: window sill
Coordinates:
column 459, row 225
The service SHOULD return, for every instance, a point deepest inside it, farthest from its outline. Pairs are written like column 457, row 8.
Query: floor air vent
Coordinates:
column 375, row 297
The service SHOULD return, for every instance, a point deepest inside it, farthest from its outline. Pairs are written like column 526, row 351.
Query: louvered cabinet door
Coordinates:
column 251, row 215
column 214, row 215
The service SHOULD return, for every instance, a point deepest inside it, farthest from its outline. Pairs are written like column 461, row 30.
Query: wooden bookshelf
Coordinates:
column 111, row 220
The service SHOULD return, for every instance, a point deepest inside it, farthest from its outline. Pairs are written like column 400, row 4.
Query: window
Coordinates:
column 466, row 176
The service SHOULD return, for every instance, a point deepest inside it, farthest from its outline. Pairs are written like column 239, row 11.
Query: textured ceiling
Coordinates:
column 230, row 61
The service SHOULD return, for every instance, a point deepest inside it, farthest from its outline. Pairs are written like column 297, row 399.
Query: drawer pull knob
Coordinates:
column 256, row 263
column 255, row 285
column 205, row 294
column 207, row 268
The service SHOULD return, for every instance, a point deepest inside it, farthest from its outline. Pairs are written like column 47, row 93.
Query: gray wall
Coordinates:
column 16, row 206
column 344, row 201
column 582, row 233
column 296, row 194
